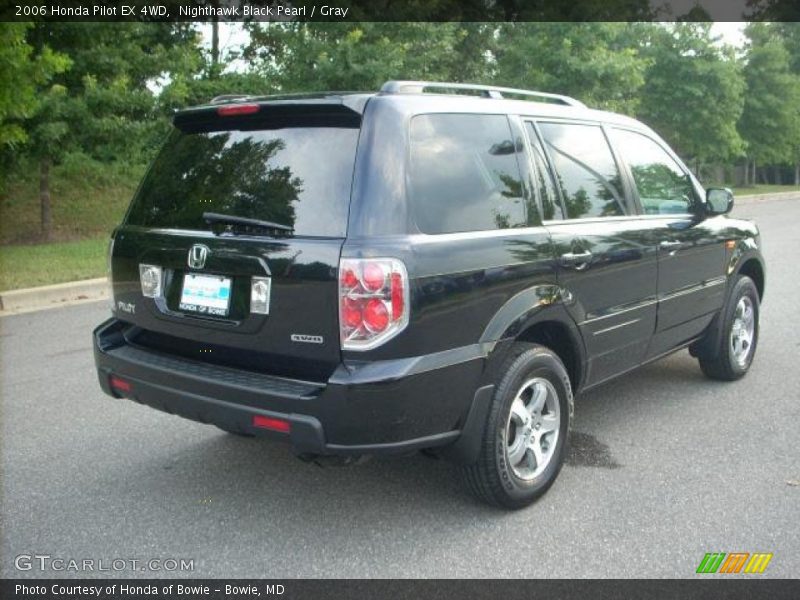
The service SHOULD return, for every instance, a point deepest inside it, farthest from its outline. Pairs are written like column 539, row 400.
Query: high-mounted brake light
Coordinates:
column 373, row 301
column 231, row 110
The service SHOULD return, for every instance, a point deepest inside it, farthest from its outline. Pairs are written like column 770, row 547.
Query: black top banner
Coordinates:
column 399, row 10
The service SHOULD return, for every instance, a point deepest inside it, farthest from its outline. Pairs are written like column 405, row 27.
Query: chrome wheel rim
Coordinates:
column 532, row 429
column 743, row 330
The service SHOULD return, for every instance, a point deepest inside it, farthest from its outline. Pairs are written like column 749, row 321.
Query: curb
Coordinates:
column 50, row 296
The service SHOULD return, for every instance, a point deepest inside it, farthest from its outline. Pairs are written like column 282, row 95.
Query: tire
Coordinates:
column 509, row 473
column 730, row 357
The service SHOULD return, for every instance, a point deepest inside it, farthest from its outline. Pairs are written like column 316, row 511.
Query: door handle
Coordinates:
column 577, row 261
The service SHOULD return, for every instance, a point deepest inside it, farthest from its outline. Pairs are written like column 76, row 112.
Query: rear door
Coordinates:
column 607, row 259
column 289, row 166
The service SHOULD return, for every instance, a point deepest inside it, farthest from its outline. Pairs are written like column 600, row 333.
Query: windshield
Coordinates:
column 295, row 176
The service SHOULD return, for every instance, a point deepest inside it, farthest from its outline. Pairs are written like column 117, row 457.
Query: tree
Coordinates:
column 102, row 105
column 694, row 91
column 770, row 123
column 295, row 57
column 597, row 63
column 23, row 75
column 790, row 34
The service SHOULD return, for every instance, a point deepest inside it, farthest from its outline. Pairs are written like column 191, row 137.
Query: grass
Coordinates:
column 88, row 200
column 31, row 266
column 764, row 189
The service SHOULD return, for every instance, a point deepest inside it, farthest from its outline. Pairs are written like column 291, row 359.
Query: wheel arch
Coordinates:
column 753, row 268
column 749, row 264
column 537, row 315
column 561, row 339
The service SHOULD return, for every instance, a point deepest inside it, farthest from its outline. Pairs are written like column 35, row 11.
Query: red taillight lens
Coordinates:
column 373, row 301
column 376, row 317
column 374, row 277
column 351, row 313
column 232, row 110
column 349, row 279
column 271, row 423
column 398, row 298
column 120, row 384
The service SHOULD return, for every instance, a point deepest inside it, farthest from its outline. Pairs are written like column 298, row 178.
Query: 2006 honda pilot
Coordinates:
column 434, row 266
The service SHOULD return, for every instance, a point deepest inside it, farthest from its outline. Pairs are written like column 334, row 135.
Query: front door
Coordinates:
column 607, row 261
column 691, row 250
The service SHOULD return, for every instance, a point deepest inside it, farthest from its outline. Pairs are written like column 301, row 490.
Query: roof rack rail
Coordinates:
column 487, row 91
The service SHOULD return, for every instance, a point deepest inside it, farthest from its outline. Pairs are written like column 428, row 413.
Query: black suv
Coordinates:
column 436, row 267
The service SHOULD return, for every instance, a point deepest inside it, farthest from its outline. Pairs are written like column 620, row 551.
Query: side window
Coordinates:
column 664, row 188
column 551, row 210
column 464, row 174
column 586, row 172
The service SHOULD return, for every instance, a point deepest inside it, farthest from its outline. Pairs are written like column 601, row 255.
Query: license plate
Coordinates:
column 206, row 294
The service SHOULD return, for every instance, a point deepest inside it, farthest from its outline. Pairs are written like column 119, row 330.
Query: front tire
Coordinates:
column 732, row 356
column 526, row 434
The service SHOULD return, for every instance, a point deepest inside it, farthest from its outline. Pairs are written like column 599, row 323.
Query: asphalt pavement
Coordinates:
column 665, row 467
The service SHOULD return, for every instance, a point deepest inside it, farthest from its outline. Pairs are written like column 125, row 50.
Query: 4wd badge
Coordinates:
column 307, row 339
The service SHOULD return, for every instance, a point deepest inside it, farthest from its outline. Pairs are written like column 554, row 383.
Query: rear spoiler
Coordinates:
column 260, row 113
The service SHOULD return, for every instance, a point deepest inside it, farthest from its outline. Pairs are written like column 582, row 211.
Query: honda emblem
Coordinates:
column 197, row 256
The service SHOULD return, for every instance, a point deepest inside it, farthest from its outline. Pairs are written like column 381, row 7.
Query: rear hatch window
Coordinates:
column 294, row 176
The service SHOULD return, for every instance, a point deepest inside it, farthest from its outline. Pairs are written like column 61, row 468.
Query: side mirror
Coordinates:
column 719, row 201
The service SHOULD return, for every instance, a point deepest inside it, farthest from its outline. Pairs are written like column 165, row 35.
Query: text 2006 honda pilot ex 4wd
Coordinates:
column 435, row 266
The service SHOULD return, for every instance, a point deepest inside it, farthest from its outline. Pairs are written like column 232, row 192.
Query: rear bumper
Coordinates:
column 384, row 407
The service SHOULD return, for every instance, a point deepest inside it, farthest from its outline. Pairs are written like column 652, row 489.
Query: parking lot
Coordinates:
column 665, row 467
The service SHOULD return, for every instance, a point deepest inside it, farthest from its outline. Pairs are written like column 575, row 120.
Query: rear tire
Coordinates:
column 526, row 434
column 731, row 357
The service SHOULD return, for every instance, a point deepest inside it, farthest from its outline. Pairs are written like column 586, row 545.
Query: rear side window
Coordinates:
column 464, row 174
column 295, row 176
column 663, row 186
column 586, row 172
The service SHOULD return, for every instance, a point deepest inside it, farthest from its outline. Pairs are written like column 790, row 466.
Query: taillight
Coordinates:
column 120, row 384
column 373, row 301
column 280, row 425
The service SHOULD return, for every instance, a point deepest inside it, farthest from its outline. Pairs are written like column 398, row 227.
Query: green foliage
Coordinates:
column 694, row 91
column 597, row 63
column 102, row 104
column 20, row 76
column 771, row 119
column 296, row 57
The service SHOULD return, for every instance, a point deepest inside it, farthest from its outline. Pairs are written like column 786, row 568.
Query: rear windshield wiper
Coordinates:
column 211, row 217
